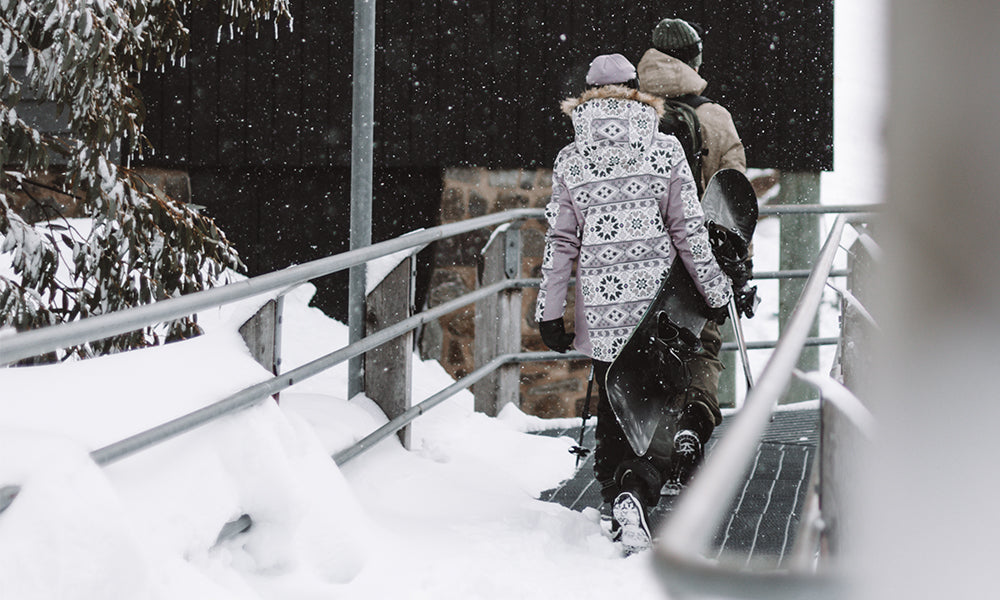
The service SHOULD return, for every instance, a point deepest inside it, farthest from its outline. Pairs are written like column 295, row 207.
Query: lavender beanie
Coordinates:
column 610, row 68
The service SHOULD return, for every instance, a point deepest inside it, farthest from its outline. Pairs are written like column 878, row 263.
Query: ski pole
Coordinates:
column 579, row 450
column 734, row 316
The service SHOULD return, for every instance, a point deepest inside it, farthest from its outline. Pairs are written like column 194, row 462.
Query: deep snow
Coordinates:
column 456, row 517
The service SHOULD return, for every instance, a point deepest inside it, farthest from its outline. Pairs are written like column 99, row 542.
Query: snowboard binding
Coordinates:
column 671, row 348
column 732, row 254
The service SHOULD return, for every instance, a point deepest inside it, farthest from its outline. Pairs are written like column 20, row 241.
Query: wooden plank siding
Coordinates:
column 203, row 65
column 475, row 82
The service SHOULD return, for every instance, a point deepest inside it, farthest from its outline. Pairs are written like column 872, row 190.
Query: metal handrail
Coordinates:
column 46, row 339
column 23, row 345
column 817, row 209
column 706, row 500
column 472, row 378
column 252, row 395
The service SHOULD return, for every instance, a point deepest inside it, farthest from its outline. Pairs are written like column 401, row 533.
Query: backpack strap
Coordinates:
column 694, row 100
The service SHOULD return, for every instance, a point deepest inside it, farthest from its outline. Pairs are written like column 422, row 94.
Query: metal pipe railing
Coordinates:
column 816, row 209
column 39, row 341
column 31, row 343
column 707, row 499
column 281, row 280
column 794, row 274
column 362, row 160
column 469, row 380
column 256, row 393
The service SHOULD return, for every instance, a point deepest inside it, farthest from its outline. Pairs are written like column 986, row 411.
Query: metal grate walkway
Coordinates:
column 763, row 518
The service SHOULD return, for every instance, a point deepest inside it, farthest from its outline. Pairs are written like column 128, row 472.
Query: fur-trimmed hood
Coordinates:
column 613, row 91
column 612, row 121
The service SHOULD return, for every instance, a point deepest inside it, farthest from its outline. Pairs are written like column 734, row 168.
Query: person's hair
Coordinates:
column 631, row 84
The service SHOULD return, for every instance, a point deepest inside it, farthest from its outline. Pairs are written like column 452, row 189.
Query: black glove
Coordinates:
column 746, row 301
column 554, row 335
column 719, row 315
column 739, row 272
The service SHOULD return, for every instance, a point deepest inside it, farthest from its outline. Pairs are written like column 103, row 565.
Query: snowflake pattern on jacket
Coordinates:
column 623, row 205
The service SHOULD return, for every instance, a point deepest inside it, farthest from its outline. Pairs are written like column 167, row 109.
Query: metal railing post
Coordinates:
column 498, row 323
column 389, row 368
column 362, row 136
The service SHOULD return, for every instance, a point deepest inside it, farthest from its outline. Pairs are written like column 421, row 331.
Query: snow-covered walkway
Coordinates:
column 456, row 517
column 461, row 515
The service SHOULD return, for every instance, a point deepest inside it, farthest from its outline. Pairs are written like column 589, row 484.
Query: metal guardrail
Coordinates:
column 817, row 209
column 257, row 393
column 14, row 347
column 24, row 345
column 702, row 506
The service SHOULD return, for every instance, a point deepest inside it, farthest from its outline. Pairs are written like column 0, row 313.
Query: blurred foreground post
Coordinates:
column 930, row 496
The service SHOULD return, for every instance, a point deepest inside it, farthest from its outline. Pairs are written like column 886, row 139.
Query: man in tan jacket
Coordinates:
column 670, row 69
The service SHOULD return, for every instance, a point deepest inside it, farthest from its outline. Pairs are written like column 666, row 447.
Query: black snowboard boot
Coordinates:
column 630, row 512
column 684, row 461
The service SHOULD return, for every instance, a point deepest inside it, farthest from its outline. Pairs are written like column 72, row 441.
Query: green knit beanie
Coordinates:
column 678, row 39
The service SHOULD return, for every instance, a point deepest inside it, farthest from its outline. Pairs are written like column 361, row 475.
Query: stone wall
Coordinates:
column 549, row 389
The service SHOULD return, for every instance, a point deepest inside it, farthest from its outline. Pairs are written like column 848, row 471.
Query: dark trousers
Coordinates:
column 613, row 456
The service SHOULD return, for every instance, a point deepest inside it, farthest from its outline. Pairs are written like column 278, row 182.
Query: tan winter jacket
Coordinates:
column 664, row 75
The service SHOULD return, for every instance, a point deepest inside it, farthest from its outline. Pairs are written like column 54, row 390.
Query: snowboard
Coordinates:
column 645, row 381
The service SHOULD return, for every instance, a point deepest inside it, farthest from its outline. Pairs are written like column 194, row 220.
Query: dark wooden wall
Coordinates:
column 477, row 83
column 263, row 124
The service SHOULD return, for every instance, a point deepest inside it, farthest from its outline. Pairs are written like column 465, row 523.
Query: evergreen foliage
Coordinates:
column 86, row 57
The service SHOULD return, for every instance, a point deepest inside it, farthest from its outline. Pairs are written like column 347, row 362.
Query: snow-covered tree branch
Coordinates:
column 86, row 57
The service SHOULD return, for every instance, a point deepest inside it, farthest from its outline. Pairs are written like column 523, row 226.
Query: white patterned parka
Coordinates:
column 623, row 205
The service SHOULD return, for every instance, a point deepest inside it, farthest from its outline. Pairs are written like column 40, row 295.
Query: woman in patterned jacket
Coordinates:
column 624, row 204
